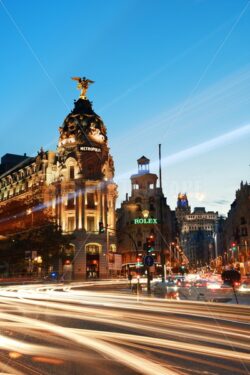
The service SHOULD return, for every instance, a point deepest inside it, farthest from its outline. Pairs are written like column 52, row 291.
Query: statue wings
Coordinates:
column 84, row 79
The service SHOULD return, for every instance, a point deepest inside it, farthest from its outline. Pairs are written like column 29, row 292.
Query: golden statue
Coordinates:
column 83, row 84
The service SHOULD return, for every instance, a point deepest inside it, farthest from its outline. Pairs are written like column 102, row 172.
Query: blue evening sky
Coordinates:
column 175, row 72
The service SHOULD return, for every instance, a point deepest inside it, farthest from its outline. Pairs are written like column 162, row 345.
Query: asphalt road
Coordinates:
column 86, row 329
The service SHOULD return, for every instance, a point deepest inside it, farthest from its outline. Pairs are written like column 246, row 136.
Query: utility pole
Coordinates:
column 161, row 220
column 107, row 249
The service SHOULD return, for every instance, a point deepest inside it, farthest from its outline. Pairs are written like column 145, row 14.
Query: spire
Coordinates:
column 182, row 201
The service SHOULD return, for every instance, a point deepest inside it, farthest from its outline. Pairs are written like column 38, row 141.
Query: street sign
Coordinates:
column 148, row 260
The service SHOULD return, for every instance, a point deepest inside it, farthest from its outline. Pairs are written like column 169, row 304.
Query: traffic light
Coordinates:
column 138, row 261
column 233, row 246
column 150, row 243
column 182, row 269
column 101, row 227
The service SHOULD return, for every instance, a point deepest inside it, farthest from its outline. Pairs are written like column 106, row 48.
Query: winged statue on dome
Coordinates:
column 83, row 84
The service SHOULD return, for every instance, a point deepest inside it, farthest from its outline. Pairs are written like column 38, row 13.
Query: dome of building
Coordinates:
column 82, row 126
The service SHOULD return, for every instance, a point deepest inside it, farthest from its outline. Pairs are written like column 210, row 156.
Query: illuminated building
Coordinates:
column 140, row 217
column 73, row 185
column 237, row 230
column 197, row 232
column 182, row 208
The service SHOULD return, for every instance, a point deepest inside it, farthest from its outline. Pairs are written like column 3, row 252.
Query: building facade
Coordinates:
column 197, row 231
column 74, row 185
column 237, row 230
column 143, row 215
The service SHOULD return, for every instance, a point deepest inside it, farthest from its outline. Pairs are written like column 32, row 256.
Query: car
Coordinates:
column 167, row 289
column 213, row 284
column 210, row 290
column 178, row 279
column 244, row 287
column 200, row 283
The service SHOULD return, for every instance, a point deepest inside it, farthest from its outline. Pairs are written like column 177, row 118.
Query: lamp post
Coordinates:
column 163, row 265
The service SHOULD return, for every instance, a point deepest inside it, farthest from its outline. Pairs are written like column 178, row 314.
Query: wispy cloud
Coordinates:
column 201, row 148
column 221, row 202
column 209, row 145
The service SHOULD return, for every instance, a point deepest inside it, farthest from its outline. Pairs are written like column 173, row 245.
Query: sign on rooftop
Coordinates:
column 149, row 220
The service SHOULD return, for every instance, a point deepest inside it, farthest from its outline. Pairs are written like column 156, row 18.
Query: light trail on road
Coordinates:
column 58, row 329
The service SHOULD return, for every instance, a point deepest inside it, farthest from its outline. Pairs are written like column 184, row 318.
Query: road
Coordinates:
column 86, row 329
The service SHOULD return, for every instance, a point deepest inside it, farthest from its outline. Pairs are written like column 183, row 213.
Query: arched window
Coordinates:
column 93, row 248
column 70, row 250
column 71, row 168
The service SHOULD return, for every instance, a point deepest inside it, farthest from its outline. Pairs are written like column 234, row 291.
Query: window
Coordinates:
column 244, row 231
column 113, row 248
column 91, row 200
column 90, row 224
column 71, row 224
column 71, row 200
column 92, row 249
column 242, row 220
column 71, row 172
column 151, row 207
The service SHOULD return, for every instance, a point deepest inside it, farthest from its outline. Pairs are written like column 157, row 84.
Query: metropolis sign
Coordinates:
column 86, row 148
column 149, row 220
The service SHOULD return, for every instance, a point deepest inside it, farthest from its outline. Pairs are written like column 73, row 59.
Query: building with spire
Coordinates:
column 74, row 184
column 182, row 208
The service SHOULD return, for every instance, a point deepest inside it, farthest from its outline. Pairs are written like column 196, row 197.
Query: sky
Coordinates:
column 169, row 72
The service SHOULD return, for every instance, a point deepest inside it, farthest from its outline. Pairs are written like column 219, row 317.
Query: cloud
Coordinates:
column 221, row 201
column 207, row 146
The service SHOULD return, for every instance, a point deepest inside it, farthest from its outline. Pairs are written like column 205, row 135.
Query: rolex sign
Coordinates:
column 149, row 220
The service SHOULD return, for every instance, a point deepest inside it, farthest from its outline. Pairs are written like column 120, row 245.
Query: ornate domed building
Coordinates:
column 75, row 184
column 85, row 190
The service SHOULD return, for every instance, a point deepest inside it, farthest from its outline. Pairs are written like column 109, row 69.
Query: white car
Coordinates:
column 206, row 290
column 244, row 287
